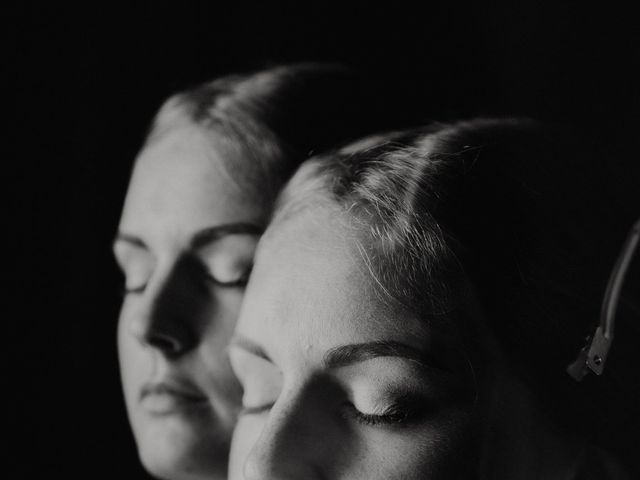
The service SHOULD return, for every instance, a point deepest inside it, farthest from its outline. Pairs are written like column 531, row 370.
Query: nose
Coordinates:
column 164, row 318
column 300, row 440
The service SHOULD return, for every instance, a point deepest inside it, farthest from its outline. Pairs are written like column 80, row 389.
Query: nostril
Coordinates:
column 167, row 344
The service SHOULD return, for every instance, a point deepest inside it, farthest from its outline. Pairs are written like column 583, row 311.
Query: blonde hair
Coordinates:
column 517, row 208
column 268, row 122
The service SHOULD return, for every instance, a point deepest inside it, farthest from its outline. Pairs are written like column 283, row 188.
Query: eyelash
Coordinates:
column 124, row 291
column 397, row 414
column 256, row 410
column 240, row 283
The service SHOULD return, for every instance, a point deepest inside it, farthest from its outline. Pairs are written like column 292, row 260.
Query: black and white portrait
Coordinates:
column 282, row 240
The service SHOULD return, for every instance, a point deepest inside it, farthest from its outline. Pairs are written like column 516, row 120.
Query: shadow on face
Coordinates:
column 185, row 245
column 339, row 383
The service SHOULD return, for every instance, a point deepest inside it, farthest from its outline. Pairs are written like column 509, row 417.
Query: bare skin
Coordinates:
column 186, row 242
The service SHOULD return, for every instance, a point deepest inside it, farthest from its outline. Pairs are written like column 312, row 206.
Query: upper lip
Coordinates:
column 173, row 386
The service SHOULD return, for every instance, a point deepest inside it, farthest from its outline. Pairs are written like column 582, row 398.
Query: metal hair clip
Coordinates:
column 594, row 354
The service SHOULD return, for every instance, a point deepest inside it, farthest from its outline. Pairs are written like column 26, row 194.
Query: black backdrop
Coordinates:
column 83, row 83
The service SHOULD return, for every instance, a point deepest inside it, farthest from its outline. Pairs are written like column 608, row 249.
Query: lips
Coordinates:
column 171, row 396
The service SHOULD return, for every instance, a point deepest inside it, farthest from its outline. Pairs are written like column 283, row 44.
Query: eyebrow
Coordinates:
column 249, row 346
column 202, row 238
column 212, row 234
column 346, row 355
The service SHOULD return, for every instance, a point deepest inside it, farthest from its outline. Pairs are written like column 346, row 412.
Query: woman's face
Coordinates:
column 185, row 245
column 339, row 384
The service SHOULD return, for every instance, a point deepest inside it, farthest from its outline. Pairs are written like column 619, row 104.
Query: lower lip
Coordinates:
column 165, row 403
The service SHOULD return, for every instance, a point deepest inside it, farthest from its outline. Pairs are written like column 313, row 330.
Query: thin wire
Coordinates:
column 614, row 287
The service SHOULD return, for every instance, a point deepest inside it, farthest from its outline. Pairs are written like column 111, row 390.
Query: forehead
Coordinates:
column 180, row 181
column 311, row 287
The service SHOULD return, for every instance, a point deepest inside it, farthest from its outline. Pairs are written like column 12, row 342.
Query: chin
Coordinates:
column 173, row 451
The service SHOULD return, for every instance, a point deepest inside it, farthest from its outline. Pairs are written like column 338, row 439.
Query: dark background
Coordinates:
column 83, row 83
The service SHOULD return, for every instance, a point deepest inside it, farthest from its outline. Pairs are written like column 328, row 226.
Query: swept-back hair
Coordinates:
column 514, row 206
column 271, row 120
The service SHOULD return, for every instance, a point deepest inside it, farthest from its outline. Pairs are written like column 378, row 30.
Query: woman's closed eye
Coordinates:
column 402, row 411
column 260, row 393
column 135, row 262
column 230, row 279
column 389, row 392
column 135, row 277
column 127, row 290
column 261, row 380
column 255, row 409
column 229, row 261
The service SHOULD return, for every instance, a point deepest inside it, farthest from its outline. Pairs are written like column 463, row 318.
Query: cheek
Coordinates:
column 125, row 345
column 448, row 450
column 214, row 371
column 133, row 359
column 124, row 329
column 219, row 320
column 245, row 436
column 443, row 448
